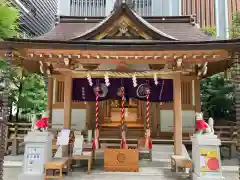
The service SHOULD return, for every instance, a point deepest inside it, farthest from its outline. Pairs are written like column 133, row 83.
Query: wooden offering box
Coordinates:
column 121, row 160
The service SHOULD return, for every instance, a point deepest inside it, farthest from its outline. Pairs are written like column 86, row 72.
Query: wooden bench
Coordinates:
column 56, row 164
column 180, row 163
column 89, row 158
column 143, row 150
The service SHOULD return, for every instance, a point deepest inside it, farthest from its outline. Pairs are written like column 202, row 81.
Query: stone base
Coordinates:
column 195, row 177
column 30, row 176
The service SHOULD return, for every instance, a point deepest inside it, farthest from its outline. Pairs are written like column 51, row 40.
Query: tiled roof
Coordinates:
column 181, row 31
column 170, row 28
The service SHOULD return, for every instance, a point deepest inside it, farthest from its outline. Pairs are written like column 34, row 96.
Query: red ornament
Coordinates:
column 213, row 164
column 201, row 125
column 42, row 123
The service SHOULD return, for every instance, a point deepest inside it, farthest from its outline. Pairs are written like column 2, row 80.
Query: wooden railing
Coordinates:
column 16, row 132
column 228, row 136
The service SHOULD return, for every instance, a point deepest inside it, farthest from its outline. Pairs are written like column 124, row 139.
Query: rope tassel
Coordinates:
column 123, row 133
column 148, row 140
column 96, row 133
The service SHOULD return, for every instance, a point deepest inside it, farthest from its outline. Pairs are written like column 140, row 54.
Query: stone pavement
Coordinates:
column 159, row 169
column 146, row 173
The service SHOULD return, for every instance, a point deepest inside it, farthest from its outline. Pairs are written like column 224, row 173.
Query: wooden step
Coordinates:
column 133, row 132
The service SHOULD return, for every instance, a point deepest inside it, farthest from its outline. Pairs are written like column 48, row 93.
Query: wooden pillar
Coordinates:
column 109, row 111
column 144, row 113
column 142, row 120
column 177, row 108
column 50, row 99
column 105, row 108
column 88, row 117
column 155, row 111
column 67, row 101
column 138, row 110
column 197, row 95
column 101, row 112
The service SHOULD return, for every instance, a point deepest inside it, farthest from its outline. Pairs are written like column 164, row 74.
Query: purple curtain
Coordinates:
column 82, row 91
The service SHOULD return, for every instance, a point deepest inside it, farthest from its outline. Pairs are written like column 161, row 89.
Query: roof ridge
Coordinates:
column 118, row 12
column 149, row 19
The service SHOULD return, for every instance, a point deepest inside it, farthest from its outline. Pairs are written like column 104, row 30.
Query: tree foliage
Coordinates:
column 211, row 31
column 217, row 97
column 234, row 30
column 8, row 21
column 217, row 92
column 235, row 27
column 27, row 91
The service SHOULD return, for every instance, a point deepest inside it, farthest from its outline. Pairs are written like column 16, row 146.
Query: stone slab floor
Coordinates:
column 152, row 173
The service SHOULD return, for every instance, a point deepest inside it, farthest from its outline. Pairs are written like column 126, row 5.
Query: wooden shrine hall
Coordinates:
column 124, row 46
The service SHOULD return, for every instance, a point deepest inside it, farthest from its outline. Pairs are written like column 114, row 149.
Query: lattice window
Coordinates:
column 186, row 93
column 60, row 91
column 87, row 7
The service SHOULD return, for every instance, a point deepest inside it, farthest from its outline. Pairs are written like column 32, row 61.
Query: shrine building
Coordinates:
column 170, row 55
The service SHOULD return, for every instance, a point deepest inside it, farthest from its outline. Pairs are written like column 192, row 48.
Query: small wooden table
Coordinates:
column 89, row 158
column 180, row 162
column 55, row 164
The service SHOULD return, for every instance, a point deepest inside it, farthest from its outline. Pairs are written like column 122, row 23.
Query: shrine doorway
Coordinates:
column 131, row 114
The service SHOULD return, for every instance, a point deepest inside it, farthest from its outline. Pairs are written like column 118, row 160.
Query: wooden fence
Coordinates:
column 16, row 132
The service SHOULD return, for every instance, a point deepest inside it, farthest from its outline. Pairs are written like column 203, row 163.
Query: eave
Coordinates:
column 140, row 45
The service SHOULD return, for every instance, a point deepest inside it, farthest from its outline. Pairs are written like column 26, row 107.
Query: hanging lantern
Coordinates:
column 148, row 140
column 123, row 133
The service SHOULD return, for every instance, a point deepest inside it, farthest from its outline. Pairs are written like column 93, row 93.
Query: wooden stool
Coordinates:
column 143, row 150
column 55, row 164
column 180, row 162
column 89, row 158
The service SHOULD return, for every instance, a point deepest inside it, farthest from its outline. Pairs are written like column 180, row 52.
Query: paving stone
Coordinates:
column 99, row 174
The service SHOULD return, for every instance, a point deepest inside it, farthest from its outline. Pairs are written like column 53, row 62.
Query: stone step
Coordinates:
column 143, row 171
column 12, row 164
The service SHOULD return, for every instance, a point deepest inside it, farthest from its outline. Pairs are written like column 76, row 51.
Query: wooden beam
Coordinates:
column 114, row 74
column 67, row 101
column 130, row 60
column 50, row 98
column 113, row 53
column 197, row 95
column 177, row 108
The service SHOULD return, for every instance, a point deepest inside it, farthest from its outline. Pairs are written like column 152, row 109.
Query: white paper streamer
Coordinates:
column 89, row 79
column 106, row 77
column 134, row 79
column 155, row 79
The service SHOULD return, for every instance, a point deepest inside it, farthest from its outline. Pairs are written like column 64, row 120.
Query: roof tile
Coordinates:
column 183, row 31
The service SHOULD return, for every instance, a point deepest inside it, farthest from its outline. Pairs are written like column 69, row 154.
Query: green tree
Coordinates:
column 217, row 92
column 33, row 99
column 211, row 31
column 8, row 21
column 234, row 30
column 217, row 97
column 27, row 91
column 235, row 27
